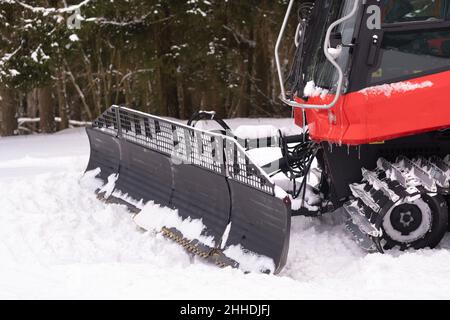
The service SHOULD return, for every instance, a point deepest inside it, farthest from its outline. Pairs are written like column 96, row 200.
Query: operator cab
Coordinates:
column 371, row 44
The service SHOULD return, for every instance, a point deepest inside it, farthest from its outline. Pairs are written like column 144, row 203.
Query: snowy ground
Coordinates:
column 58, row 241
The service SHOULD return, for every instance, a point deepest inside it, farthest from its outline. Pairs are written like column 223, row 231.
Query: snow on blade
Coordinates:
column 400, row 87
column 256, row 132
column 249, row 261
column 154, row 217
column 262, row 156
column 280, row 193
column 287, row 126
column 125, row 197
column 108, row 188
column 225, row 236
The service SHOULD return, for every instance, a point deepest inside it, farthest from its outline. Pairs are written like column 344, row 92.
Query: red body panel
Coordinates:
column 370, row 116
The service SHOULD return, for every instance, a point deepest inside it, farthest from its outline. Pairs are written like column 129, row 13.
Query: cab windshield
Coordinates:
column 397, row 11
column 311, row 63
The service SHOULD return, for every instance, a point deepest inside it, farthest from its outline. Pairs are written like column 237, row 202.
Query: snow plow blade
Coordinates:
column 203, row 175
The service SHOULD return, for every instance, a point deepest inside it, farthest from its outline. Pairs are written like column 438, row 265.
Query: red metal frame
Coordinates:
column 366, row 117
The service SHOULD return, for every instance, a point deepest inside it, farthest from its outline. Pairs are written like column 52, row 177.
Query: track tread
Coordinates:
column 391, row 183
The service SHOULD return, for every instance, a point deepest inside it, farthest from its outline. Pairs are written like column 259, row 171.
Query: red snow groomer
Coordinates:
column 369, row 83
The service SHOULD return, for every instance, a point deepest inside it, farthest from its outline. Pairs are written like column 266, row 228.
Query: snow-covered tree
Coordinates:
column 74, row 58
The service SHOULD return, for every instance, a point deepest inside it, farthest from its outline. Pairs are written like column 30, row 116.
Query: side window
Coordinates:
column 396, row 11
column 408, row 54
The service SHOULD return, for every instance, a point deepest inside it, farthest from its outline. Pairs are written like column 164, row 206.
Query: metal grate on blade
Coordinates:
column 185, row 145
column 242, row 169
column 107, row 122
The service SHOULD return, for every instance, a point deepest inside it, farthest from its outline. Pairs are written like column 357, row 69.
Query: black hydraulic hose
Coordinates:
column 298, row 160
column 203, row 115
column 294, row 139
column 305, row 177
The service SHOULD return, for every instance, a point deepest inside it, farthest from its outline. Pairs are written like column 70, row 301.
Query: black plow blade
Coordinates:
column 202, row 175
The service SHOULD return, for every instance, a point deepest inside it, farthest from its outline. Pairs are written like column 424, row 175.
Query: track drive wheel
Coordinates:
column 418, row 223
